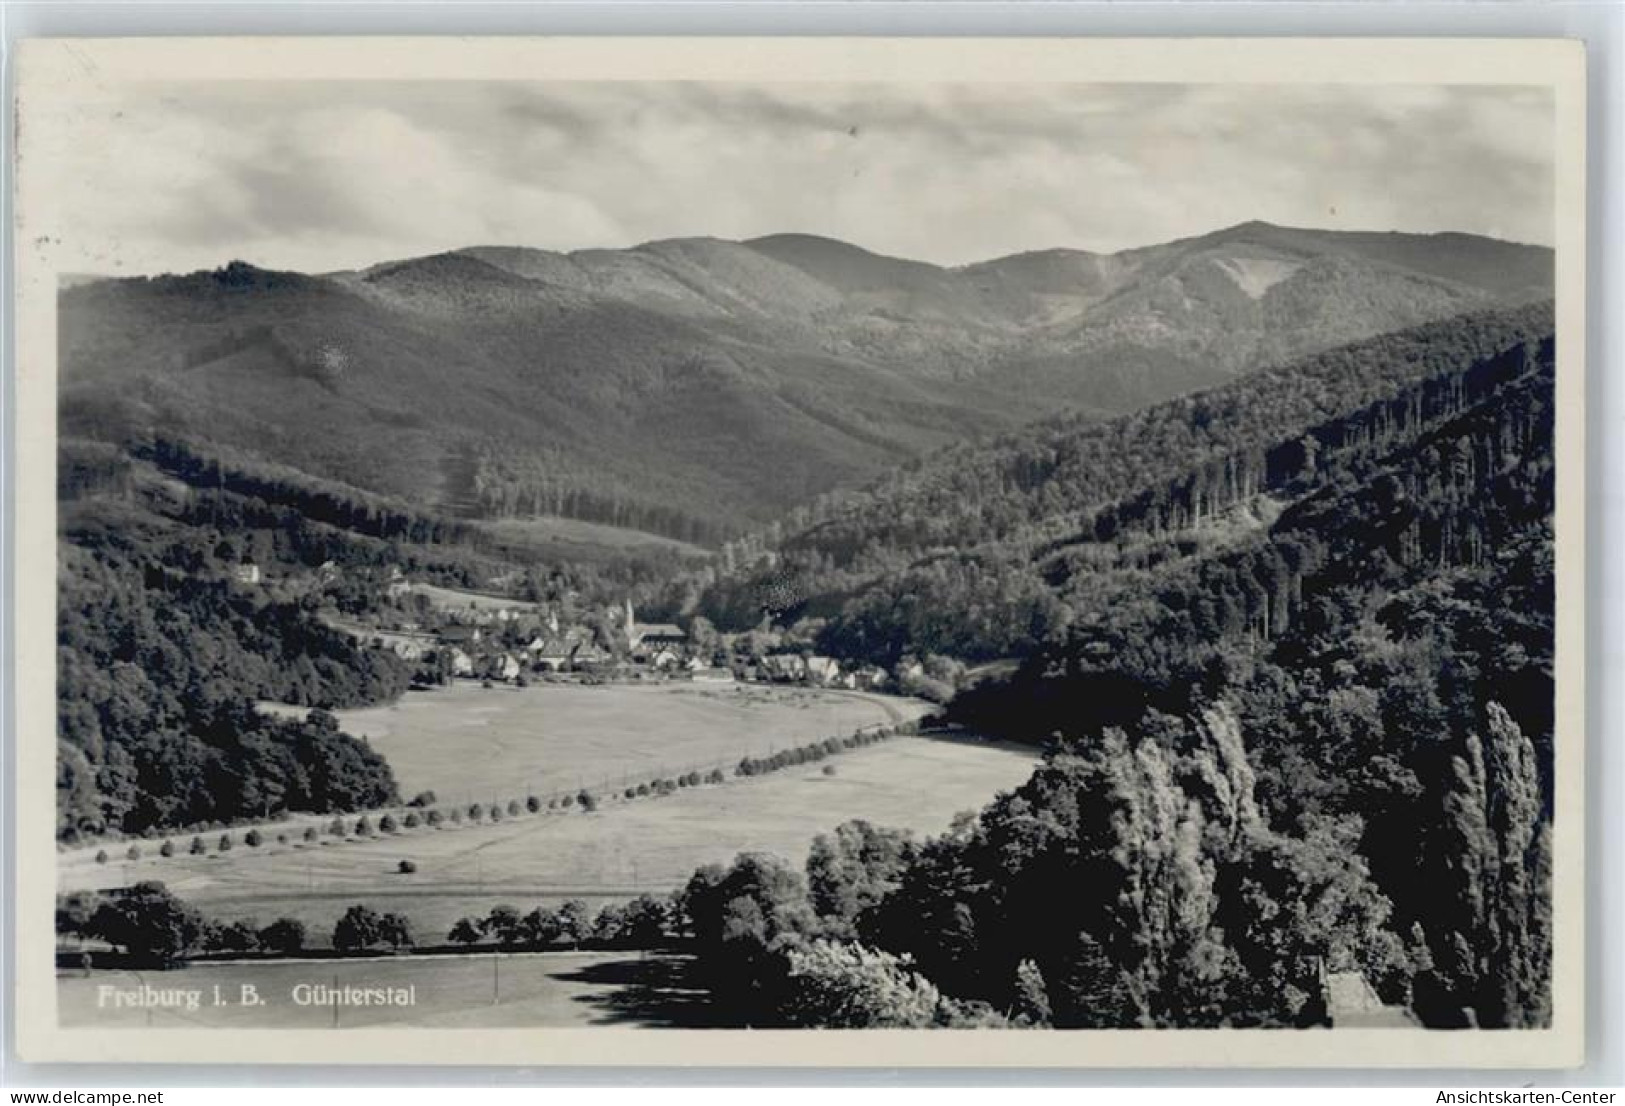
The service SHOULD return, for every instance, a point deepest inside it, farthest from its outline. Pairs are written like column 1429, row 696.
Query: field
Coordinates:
column 574, row 537
column 545, row 989
column 472, row 744
column 450, row 599
column 612, row 854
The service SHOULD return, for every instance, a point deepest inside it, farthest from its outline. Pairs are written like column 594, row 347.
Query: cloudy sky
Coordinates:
column 322, row 176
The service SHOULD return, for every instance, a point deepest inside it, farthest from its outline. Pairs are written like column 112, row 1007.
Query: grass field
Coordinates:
column 552, row 532
column 451, row 599
column 545, row 989
column 472, row 744
column 609, row 855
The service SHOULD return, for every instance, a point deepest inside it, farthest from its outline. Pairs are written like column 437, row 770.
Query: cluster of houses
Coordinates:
column 657, row 645
column 506, row 641
column 795, row 668
column 483, row 645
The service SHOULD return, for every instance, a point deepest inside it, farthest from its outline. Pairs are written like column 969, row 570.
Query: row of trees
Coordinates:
column 152, row 926
column 388, row 823
column 223, row 844
column 815, row 751
column 149, row 924
column 420, row 814
column 667, row 785
column 644, row 922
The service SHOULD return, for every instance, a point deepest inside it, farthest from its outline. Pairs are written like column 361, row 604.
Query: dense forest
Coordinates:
column 159, row 668
column 969, row 554
column 513, row 481
column 1051, row 471
column 1321, row 746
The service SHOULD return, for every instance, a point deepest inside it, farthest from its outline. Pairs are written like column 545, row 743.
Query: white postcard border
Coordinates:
column 50, row 69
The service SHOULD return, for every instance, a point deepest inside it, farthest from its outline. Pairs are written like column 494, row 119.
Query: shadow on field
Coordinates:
column 656, row 990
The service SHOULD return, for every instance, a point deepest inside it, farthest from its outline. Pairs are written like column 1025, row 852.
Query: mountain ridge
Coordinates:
column 637, row 378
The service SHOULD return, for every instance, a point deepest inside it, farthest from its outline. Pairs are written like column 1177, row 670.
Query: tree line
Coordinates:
column 509, row 481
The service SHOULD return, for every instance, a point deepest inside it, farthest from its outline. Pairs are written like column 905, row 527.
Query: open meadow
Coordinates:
column 556, row 535
column 461, row 601
column 614, row 853
column 467, row 743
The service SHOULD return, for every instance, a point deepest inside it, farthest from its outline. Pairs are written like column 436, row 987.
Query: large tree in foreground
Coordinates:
column 1135, row 876
column 1493, row 857
column 148, row 923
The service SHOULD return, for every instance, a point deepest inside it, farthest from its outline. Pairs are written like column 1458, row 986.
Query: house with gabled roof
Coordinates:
column 823, row 670
column 589, row 656
column 784, row 666
column 554, row 654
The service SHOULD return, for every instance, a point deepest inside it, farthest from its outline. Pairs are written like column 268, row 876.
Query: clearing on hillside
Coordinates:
column 556, row 533
column 452, row 599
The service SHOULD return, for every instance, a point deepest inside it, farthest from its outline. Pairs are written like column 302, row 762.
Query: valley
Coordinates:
column 617, row 587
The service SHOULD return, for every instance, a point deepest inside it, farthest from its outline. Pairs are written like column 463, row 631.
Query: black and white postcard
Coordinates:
column 1058, row 553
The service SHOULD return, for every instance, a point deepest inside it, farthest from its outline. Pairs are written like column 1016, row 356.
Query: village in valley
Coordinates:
column 453, row 634
column 1020, row 562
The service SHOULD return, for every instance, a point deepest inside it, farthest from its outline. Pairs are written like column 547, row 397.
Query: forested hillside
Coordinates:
column 985, row 551
column 1316, row 748
column 159, row 667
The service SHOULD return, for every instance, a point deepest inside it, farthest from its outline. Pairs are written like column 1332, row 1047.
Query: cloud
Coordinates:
column 320, row 176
